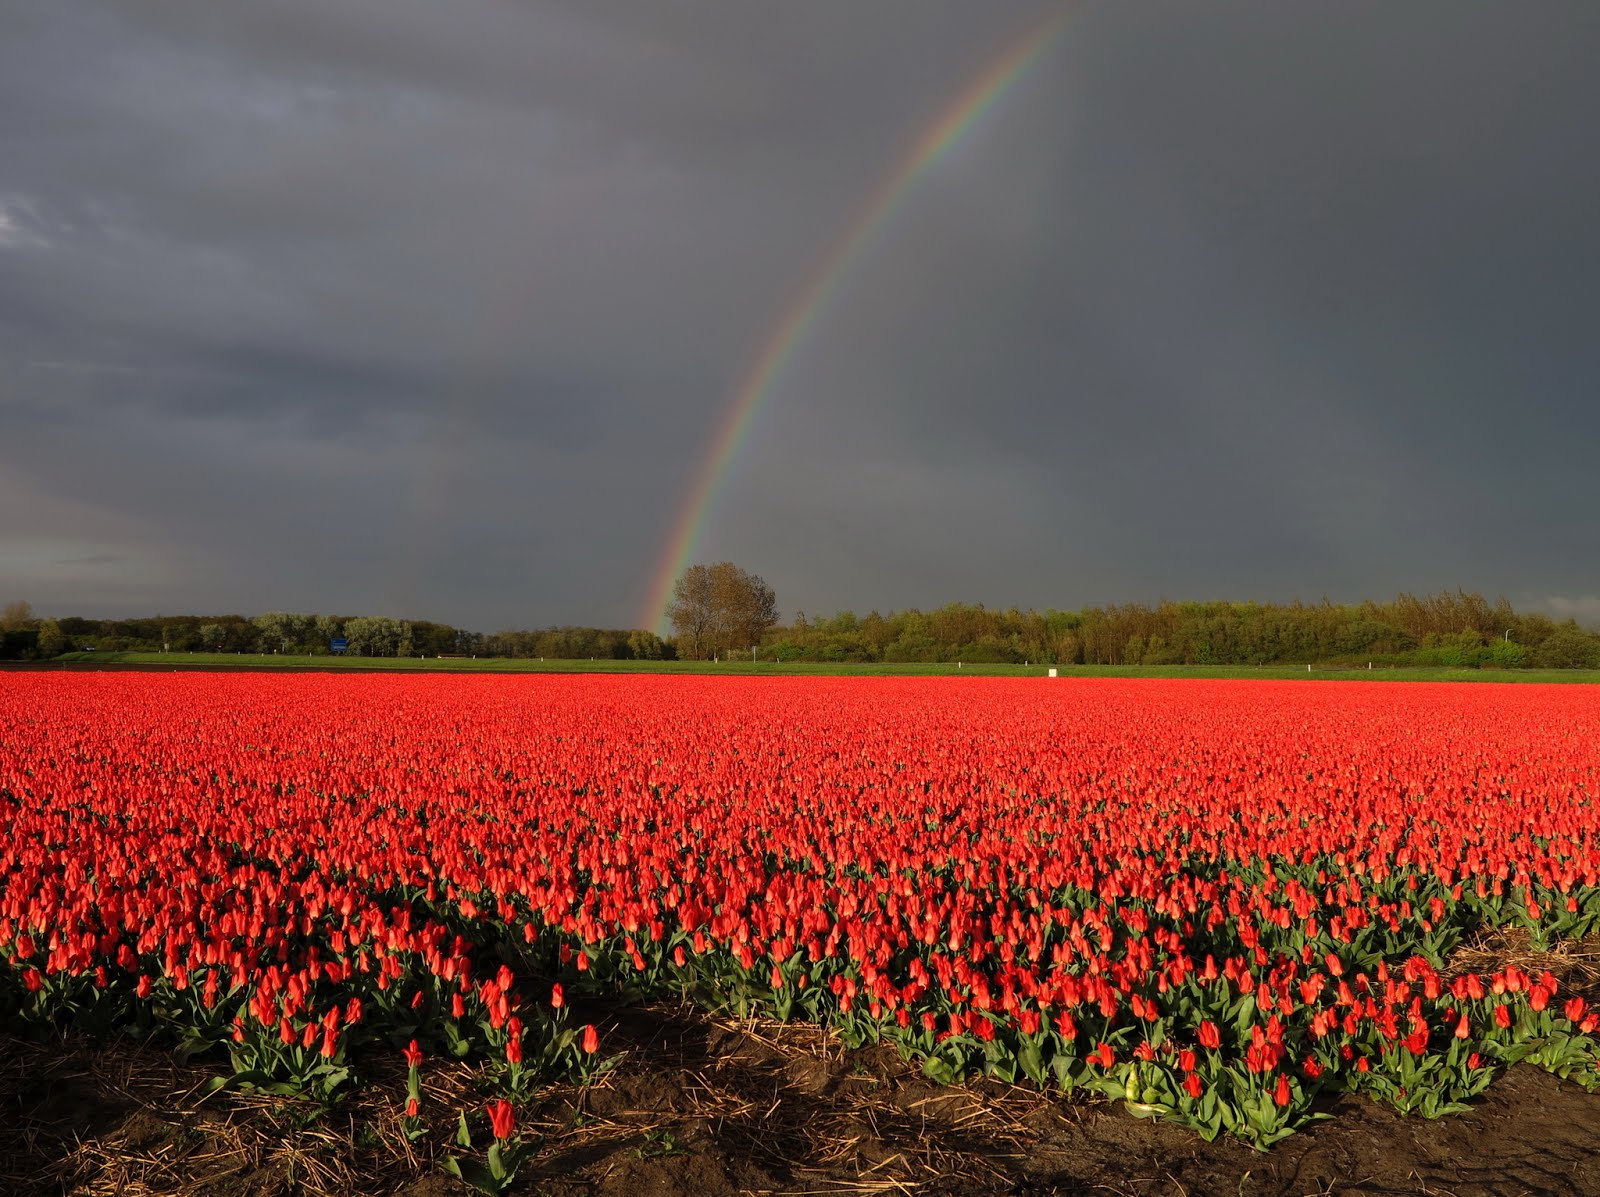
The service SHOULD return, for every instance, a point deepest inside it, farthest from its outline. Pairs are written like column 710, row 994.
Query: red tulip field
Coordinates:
column 1218, row 903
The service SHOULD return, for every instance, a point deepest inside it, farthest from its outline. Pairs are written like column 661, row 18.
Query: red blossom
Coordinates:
column 1280, row 1095
column 502, row 1119
column 992, row 859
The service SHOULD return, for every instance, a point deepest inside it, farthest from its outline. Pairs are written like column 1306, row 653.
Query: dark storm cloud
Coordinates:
column 431, row 309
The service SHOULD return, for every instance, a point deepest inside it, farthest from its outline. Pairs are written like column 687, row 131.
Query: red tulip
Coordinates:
column 502, row 1119
column 943, row 862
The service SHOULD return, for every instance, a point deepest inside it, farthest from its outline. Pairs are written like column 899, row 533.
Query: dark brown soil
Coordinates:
column 702, row 1108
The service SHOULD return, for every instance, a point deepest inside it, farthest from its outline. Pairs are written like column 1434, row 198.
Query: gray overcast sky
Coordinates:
column 431, row 310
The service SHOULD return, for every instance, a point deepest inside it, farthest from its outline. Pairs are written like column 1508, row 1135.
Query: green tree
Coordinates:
column 646, row 646
column 283, row 631
column 377, row 636
column 1568, row 648
column 325, row 630
column 52, row 641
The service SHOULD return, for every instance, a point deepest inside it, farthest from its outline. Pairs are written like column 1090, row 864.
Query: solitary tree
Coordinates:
column 746, row 607
column 719, row 607
column 692, row 613
column 15, row 616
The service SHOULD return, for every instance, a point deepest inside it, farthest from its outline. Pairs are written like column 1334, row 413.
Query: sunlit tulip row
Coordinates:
column 1214, row 900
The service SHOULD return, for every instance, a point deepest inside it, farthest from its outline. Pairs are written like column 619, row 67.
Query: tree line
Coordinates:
column 1451, row 628
column 26, row 636
column 721, row 611
column 270, row 632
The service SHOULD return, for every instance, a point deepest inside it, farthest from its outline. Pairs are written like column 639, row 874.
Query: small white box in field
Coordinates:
column 1052, row 673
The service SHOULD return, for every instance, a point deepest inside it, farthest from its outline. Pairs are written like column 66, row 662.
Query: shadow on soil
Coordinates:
column 705, row 1108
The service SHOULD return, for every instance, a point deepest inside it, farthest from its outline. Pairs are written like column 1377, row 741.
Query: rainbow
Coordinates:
column 800, row 314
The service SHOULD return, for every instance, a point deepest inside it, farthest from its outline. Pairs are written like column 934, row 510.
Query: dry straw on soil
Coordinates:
column 720, row 1107
column 790, row 1108
column 1575, row 962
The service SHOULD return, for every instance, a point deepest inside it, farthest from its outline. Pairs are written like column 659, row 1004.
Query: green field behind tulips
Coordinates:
column 745, row 667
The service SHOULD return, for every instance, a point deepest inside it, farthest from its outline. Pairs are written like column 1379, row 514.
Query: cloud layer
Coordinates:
column 431, row 311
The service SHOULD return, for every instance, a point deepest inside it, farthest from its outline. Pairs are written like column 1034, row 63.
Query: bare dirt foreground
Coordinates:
column 705, row 1107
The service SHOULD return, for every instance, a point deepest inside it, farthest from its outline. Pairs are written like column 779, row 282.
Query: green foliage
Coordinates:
column 659, row 1144
column 379, row 636
column 1449, row 630
column 1567, row 648
column 646, row 646
column 497, row 1172
column 273, row 632
column 52, row 643
column 1506, row 654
